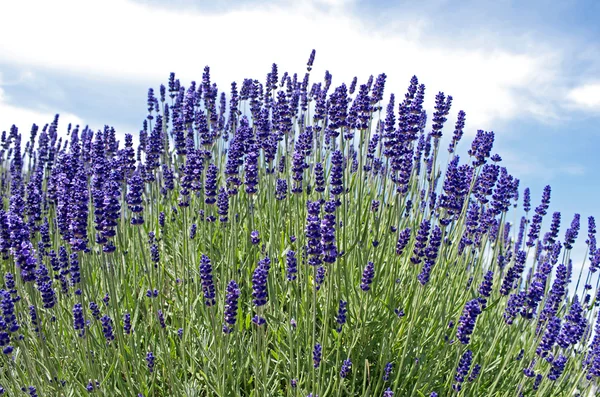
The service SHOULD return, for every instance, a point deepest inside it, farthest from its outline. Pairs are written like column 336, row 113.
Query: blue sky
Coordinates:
column 530, row 71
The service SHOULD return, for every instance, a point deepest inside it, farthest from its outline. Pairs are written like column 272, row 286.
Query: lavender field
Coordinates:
column 285, row 237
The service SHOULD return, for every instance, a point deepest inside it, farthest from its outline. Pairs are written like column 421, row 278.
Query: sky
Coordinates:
column 529, row 71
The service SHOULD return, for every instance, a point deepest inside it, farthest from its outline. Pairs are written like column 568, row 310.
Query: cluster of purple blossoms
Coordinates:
column 231, row 306
column 291, row 265
column 134, row 198
column 514, row 273
column 341, row 315
column 485, row 289
column 558, row 366
column 127, row 323
column 464, row 366
column 466, row 323
column 107, row 328
column 78, row 321
column 387, row 371
column 403, row 239
column 431, row 253
column 514, row 305
column 317, row 355
column 336, row 177
column 150, row 361
column 313, row 233
column 367, row 277
column 259, row 282
column 346, row 368
column 549, row 337
column 536, row 221
column 210, row 184
column 208, row 286
column 421, row 242
column 330, row 252
column 573, row 327
column 572, row 232
column 254, row 237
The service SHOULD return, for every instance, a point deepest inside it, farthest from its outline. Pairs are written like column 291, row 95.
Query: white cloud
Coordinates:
column 24, row 118
column 586, row 96
column 136, row 41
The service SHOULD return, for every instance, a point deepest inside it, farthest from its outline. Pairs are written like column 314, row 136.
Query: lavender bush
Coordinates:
column 286, row 238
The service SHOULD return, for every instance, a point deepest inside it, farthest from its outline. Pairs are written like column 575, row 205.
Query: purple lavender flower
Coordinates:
column 466, row 323
column 313, row 233
column 403, row 239
column 134, row 198
column 127, row 323
column 311, row 59
column 231, row 306
column 161, row 319
column 558, row 366
column 292, row 265
column 540, row 211
column 387, row 371
column 251, row 170
column 388, row 393
column 208, row 286
column 549, row 337
column 44, row 285
column 529, row 372
column 155, row 254
column 464, row 365
column 319, row 277
column 210, row 184
column 346, row 368
column 367, row 277
column 319, row 178
column 574, row 325
column 421, row 242
column 317, row 355
column 431, row 255
column 554, row 228
column 481, row 147
column 557, row 293
column 259, row 282
column 223, row 205
column 336, row 173
column 458, row 131
column 485, row 288
column 474, row 373
column 150, row 361
column 572, row 232
column 281, row 189
column 513, row 306
column 341, row 316
column 26, row 261
column 95, row 310
column 514, row 273
column 328, row 233
column 107, row 328
column 526, row 200
column 254, row 237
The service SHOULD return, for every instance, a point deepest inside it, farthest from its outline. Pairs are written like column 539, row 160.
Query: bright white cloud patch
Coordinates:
column 136, row 41
column 586, row 96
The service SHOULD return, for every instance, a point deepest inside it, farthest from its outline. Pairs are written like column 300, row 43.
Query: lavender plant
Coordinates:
column 310, row 240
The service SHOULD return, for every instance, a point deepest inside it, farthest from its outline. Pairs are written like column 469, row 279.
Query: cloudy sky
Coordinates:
column 530, row 71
